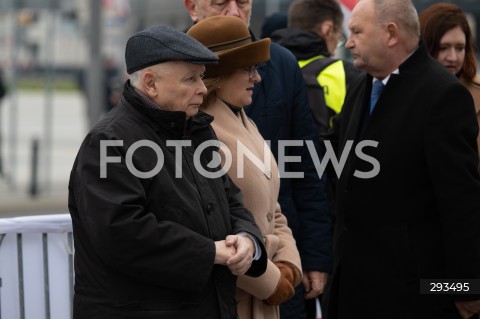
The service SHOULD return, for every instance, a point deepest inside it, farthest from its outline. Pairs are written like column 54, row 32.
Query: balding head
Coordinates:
column 383, row 34
column 401, row 12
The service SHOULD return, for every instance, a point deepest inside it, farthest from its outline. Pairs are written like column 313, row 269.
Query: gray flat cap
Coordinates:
column 161, row 44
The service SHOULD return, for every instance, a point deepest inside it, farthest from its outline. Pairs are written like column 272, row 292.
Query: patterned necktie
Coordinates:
column 377, row 89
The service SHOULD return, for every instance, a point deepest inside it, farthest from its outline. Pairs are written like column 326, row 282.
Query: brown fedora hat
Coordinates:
column 230, row 39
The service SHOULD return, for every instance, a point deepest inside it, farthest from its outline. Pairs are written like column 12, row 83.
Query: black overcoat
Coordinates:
column 144, row 245
column 419, row 217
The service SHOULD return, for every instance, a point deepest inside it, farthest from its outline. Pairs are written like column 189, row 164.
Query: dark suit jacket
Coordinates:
column 419, row 218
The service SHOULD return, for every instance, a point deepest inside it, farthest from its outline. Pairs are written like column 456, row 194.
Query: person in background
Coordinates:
column 282, row 115
column 112, row 80
column 229, row 84
column 152, row 240
column 314, row 32
column 276, row 21
column 447, row 35
column 3, row 87
column 408, row 203
column 3, row 92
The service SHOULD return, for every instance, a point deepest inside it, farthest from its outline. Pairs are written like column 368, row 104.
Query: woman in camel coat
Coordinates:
column 230, row 85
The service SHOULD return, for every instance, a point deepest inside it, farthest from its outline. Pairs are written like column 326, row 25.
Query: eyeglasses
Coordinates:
column 252, row 70
column 342, row 41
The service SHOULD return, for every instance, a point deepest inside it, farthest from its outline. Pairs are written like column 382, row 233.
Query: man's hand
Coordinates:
column 468, row 308
column 313, row 283
column 223, row 252
column 242, row 260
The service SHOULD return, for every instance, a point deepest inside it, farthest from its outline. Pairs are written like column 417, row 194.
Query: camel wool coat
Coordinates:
column 260, row 187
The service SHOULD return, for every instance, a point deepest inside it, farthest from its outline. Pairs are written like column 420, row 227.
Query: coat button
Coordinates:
column 210, row 209
column 269, row 216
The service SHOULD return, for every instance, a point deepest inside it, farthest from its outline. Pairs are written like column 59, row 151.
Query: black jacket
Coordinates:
column 303, row 44
column 144, row 247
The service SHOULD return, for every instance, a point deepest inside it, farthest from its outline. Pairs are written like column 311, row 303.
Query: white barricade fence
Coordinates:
column 36, row 267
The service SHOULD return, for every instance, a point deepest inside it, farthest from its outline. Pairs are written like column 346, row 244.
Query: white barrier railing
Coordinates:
column 36, row 267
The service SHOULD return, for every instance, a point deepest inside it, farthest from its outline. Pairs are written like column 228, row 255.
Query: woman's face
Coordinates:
column 452, row 50
column 237, row 87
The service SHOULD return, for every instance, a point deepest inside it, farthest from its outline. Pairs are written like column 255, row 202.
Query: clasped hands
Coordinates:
column 236, row 252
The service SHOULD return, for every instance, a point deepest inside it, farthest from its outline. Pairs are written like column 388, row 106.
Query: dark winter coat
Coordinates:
column 144, row 247
column 418, row 218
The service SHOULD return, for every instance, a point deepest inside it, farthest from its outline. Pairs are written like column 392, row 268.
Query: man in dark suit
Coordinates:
column 408, row 206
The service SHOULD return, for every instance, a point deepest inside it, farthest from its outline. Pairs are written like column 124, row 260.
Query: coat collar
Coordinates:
column 416, row 60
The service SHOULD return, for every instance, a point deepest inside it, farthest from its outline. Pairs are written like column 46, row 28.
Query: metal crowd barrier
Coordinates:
column 36, row 267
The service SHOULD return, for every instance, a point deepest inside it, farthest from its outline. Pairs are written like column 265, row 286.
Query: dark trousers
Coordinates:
column 295, row 307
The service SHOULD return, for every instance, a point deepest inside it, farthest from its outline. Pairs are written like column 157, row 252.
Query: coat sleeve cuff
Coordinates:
column 261, row 287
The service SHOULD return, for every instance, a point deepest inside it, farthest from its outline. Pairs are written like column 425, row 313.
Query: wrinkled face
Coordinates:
column 201, row 9
column 367, row 39
column 452, row 50
column 237, row 87
column 178, row 86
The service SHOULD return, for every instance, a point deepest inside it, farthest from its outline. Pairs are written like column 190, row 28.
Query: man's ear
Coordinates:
column 325, row 29
column 148, row 83
column 191, row 6
column 392, row 34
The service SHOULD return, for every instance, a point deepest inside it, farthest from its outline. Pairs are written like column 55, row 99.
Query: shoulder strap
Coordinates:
column 311, row 69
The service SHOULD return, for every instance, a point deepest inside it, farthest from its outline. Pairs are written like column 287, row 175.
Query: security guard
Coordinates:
column 314, row 32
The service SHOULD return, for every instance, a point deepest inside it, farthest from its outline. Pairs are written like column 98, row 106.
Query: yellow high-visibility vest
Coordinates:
column 333, row 81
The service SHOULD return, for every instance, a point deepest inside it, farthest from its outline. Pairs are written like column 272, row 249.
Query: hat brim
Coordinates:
column 246, row 55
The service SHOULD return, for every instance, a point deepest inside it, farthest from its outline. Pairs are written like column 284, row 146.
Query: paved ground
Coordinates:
column 68, row 127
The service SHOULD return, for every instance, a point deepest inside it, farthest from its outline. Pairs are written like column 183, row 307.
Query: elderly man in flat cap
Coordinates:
column 159, row 231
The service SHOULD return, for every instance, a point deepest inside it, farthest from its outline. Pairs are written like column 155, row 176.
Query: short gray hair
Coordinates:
column 402, row 12
column 135, row 78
